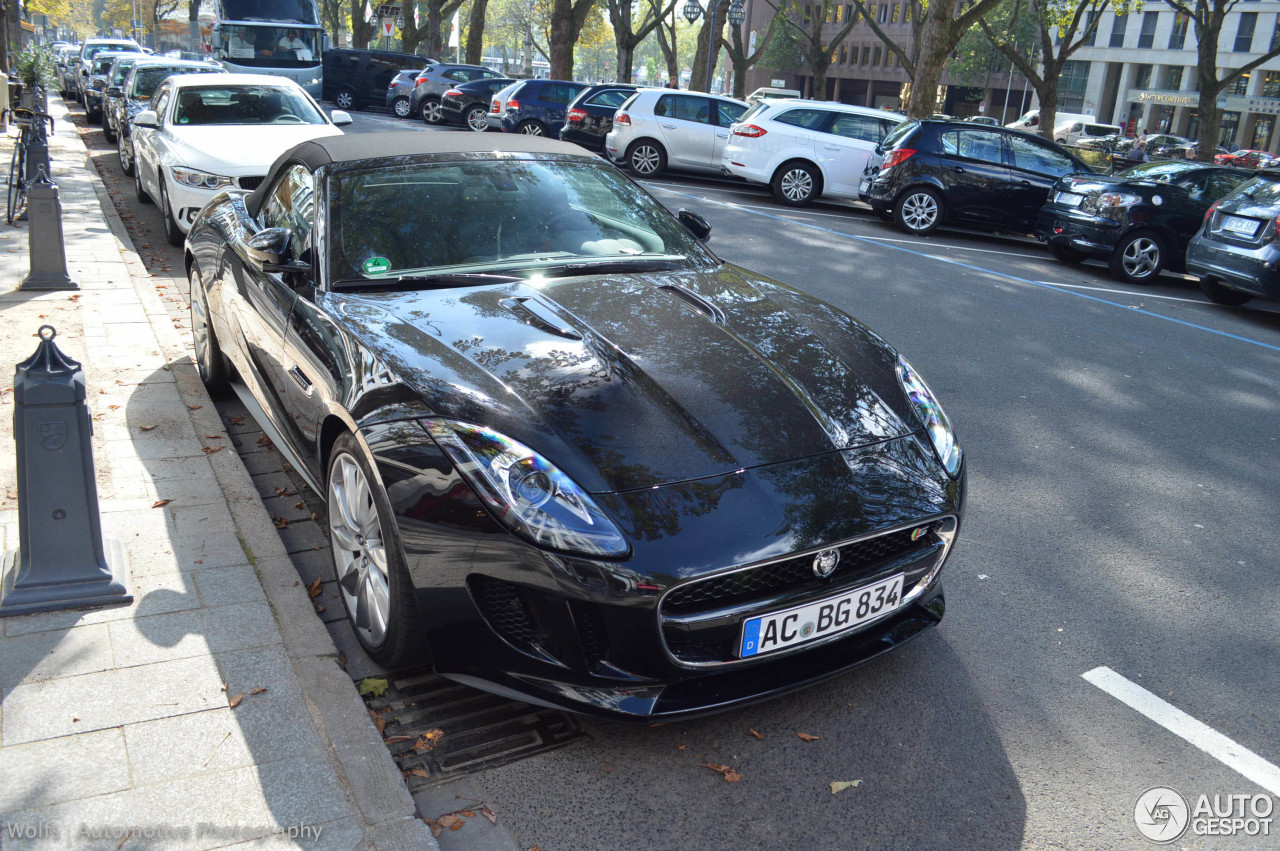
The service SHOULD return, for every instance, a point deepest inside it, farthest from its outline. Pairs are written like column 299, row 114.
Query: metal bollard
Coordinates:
column 44, row 238
column 37, row 153
column 61, row 561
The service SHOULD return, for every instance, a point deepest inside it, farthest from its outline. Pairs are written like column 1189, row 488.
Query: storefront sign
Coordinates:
column 1165, row 98
column 1265, row 106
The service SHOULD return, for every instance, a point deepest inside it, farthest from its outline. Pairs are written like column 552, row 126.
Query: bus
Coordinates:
column 280, row 37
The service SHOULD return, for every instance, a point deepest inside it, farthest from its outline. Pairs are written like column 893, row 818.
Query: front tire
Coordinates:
column 478, row 119
column 918, row 211
column 345, row 98
column 372, row 579
column 209, row 360
column 796, row 184
column 1138, row 257
column 108, row 129
column 430, row 111
column 138, row 190
column 172, row 232
column 646, row 158
column 124, row 149
column 1218, row 294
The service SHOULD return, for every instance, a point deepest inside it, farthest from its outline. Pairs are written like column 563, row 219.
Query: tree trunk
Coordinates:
column 667, row 44
column 701, row 79
column 626, row 60
column 434, row 39
column 1048, row 94
column 361, row 29
column 936, row 43
column 563, row 40
column 1207, row 76
column 475, row 32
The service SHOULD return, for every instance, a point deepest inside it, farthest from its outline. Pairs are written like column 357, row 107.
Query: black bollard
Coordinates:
column 45, row 243
column 61, row 561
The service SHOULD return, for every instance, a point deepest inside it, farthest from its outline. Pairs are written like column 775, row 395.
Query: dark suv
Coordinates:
column 954, row 172
column 537, row 108
column 467, row 104
column 1236, row 254
column 355, row 78
column 590, row 115
column 1139, row 220
column 431, row 84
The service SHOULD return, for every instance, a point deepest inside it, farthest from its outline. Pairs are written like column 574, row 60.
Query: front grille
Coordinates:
column 754, row 583
column 252, row 182
column 505, row 608
column 592, row 631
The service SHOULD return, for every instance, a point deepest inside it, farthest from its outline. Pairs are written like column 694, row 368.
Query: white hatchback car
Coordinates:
column 804, row 149
column 657, row 129
column 208, row 132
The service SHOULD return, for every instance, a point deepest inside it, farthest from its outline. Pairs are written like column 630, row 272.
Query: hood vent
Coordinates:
column 695, row 301
column 540, row 316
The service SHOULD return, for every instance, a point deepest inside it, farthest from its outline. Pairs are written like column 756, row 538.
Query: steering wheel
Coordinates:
column 287, row 118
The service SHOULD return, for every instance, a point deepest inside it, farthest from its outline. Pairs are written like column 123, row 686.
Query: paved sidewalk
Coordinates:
column 116, row 729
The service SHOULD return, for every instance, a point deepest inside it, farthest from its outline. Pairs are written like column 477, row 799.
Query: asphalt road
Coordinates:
column 1122, row 463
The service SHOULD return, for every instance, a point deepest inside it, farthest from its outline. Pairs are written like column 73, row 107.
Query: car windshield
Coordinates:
column 1262, row 190
column 1160, row 172
column 501, row 216
column 101, row 64
column 94, row 49
column 121, row 70
column 244, row 105
column 147, row 80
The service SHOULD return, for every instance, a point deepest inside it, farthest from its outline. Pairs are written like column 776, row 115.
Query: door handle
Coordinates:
column 958, row 169
column 669, row 126
column 831, row 147
column 722, row 135
column 302, row 380
column 1026, row 183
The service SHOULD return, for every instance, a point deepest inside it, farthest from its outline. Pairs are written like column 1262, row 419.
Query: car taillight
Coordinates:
column 453, row 93
column 576, row 114
column 395, row 84
column 622, row 119
column 1208, row 214
column 494, row 107
column 419, row 81
column 895, row 157
column 513, row 105
column 751, row 131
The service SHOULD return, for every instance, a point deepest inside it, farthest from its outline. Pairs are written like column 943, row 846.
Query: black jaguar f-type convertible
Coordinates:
column 570, row 455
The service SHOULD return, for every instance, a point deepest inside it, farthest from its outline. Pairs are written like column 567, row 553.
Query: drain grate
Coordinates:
column 481, row 730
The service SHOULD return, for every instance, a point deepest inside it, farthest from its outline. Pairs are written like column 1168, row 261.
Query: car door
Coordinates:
column 1190, row 196
column 727, row 114
column 973, row 171
column 263, row 300
column 149, row 143
column 1035, row 167
column 687, row 132
column 844, row 146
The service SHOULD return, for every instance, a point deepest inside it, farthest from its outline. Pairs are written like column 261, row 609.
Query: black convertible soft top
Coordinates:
column 363, row 147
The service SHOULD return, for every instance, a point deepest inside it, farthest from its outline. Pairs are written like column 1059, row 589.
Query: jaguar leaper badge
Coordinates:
column 825, row 562
column 53, row 435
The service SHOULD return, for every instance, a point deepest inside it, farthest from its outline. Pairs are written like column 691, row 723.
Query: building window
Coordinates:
column 1241, row 85
column 1244, row 32
column 831, row 12
column 1117, row 30
column 1271, row 84
column 906, row 11
column 1178, row 38
column 848, row 13
column 866, row 54
column 839, row 13
column 1147, row 36
column 1275, row 35
column 1227, row 130
column 844, row 55
column 1143, row 80
column 875, row 57
column 884, row 12
column 1090, row 28
column 1071, row 85
column 1173, row 77
column 894, row 17
column 807, row 14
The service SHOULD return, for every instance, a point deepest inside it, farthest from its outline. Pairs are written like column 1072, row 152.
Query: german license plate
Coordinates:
column 1069, row 199
column 810, row 622
column 864, row 186
column 1240, row 225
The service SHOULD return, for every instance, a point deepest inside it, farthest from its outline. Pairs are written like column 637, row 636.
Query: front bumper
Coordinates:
column 1091, row 235
column 1253, row 270
column 187, row 201
column 657, row 634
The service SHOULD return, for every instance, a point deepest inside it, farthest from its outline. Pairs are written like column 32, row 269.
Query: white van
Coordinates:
column 1072, row 131
column 1031, row 121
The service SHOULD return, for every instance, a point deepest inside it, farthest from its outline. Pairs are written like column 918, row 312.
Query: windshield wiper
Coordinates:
column 604, row 267
column 437, row 281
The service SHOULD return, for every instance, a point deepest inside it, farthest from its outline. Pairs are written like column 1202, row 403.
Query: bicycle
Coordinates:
column 30, row 123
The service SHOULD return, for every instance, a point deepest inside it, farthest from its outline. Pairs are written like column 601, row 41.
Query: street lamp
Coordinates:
column 736, row 14
column 693, row 11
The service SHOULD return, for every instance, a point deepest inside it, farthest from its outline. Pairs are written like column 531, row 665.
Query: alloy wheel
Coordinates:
column 359, row 552
column 200, row 332
column 1141, row 257
column 644, row 159
column 400, row 106
column 797, row 184
column 431, row 111
column 920, row 211
column 344, row 99
column 477, row 120
column 531, row 128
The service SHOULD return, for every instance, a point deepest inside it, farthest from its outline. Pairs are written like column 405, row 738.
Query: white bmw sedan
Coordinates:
column 204, row 134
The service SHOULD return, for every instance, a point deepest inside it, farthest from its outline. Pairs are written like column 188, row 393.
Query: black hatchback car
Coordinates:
column 1139, row 220
column 1236, row 253
column 939, row 172
column 467, row 104
column 590, row 115
column 354, row 79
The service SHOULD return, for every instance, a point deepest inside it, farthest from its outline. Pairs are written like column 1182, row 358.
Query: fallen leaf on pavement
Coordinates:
column 379, row 722
column 313, row 589
column 161, row 503
column 395, row 740
column 264, row 441
column 235, row 700
column 808, row 737
column 280, row 522
column 730, row 775
column 319, row 609
column 194, row 407
column 342, row 659
column 841, row 785
column 419, row 772
column 452, row 822
column 681, row 747
column 257, row 690
column 235, row 420
column 488, row 813
column 436, row 829
column 299, row 505
column 371, row 686
column 145, row 428
column 215, row 437
column 224, row 687
column 754, row 733
column 428, row 740
column 209, row 450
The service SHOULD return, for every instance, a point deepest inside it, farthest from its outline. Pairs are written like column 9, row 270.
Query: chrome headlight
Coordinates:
column 201, row 179
column 526, row 492
column 932, row 417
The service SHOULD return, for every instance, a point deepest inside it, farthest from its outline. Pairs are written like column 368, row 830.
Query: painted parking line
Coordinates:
column 1127, row 292
column 968, row 266
column 1230, row 753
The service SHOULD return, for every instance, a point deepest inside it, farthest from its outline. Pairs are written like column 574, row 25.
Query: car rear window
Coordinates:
column 809, row 119
column 1262, row 189
column 614, row 98
column 1100, row 130
column 899, row 135
column 754, row 111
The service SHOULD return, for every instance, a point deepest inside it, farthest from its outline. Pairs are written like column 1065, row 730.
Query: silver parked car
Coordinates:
column 657, row 129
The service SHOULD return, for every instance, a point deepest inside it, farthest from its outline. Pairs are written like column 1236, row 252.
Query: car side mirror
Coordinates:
column 268, row 247
column 115, row 91
column 695, row 224
column 340, row 118
column 146, row 118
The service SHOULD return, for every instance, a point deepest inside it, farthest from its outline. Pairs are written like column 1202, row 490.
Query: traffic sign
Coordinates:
column 388, row 27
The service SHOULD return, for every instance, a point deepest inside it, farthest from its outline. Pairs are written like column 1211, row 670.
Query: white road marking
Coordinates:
column 1216, row 745
column 1126, row 292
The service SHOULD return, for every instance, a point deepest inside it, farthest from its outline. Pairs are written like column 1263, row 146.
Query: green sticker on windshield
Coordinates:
column 377, row 265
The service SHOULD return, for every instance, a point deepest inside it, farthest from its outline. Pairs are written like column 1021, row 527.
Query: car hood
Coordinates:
column 237, row 149
column 1086, row 183
column 632, row 381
